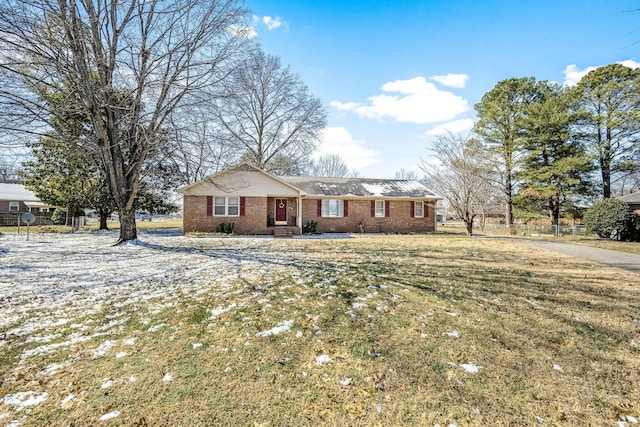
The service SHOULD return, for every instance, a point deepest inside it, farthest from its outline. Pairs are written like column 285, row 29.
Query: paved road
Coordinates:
column 626, row 261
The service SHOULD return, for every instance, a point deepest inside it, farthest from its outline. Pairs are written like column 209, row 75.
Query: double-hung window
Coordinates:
column 14, row 206
column 379, row 209
column 226, row 206
column 332, row 208
column 418, row 209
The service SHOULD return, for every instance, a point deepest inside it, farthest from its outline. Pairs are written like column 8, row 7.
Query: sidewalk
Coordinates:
column 623, row 260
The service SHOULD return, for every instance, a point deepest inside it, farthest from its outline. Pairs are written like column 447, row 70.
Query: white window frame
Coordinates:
column 332, row 208
column 14, row 206
column 418, row 205
column 230, row 205
column 380, row 208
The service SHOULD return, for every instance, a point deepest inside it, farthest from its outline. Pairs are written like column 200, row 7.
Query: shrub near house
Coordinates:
column 612, row 218
column 259, row 203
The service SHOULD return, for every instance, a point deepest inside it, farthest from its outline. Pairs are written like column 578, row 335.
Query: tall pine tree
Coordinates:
column 555, row 169
column 609, row 98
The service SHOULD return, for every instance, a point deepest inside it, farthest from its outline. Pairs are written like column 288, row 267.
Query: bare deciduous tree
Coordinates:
column 157, row 53
column 268, row 112
column 407, row 175
column 198, row 151
column 330, row 165
column 459, row 176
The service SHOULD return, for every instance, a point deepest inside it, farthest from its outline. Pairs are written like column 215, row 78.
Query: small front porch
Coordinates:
column 283, row 215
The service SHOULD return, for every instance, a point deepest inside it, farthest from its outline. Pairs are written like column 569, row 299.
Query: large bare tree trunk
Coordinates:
column 128, row 230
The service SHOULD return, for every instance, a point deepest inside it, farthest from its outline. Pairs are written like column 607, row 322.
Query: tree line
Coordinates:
column 540, row 149
column 120, row 101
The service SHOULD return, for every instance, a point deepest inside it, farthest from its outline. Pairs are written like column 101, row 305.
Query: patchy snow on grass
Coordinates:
column 323, row 358
column 25, row 398
column 65, row 402
column 107, row 384
column 471, row 367
column 103, row 348
column 284, row 326
column 110, row 416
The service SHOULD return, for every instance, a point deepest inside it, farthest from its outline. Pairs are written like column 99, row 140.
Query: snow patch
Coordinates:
column 219, row 310
column 284, row 326
column 110, row 416
column 156, row 328
column 323, row 358
column 67, row 400
column 471, row 367
column 25, row 398
column 103, row 348
column 107, row 384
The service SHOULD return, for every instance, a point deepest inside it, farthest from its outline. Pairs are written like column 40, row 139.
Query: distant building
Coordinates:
column 15, row 199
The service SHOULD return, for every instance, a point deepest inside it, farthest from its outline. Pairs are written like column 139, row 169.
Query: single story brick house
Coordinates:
column 15, row 199
column 633, row 200
column 257, row 202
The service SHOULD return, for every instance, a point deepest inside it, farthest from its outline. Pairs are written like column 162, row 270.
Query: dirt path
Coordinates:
column 623, row 260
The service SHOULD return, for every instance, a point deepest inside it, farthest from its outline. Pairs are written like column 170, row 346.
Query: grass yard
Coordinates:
column 630, row 247
column 93, row 225
column 374, row 330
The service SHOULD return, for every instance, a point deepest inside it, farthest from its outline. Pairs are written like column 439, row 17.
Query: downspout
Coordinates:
column 299, row 220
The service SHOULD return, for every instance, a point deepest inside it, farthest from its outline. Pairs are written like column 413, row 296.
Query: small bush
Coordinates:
column 310, row 227
column 225, row 227
column 612, row 219
column 59, row 216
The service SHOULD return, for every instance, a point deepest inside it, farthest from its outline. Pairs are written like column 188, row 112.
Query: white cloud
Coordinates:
column 273, row 23
column 338, row 140
column 630, row 63
column 345, row 106
column 409, row 101
column 455, row 126
column 572, row 74
column 452, row 80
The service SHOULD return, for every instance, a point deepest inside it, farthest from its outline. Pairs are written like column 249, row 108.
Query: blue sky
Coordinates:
column 394, row 74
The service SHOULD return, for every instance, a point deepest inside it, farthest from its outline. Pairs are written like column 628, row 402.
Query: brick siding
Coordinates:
column 359, row 213
column 253, row 222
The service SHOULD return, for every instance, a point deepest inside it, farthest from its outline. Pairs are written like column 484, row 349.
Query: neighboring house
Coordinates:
column 633, row 200
column 15, row 199
column 257, row 202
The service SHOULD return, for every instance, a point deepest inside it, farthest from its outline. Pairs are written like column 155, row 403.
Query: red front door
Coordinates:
column 281, row 210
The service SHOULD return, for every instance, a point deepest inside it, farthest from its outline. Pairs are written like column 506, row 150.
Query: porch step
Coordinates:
column 282, row 232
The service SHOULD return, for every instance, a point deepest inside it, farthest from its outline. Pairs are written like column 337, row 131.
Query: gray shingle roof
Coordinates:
column 367, row 187
column 631, row 198
column 16, row 192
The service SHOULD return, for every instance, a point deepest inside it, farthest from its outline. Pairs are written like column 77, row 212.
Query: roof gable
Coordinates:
column 243, row 179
